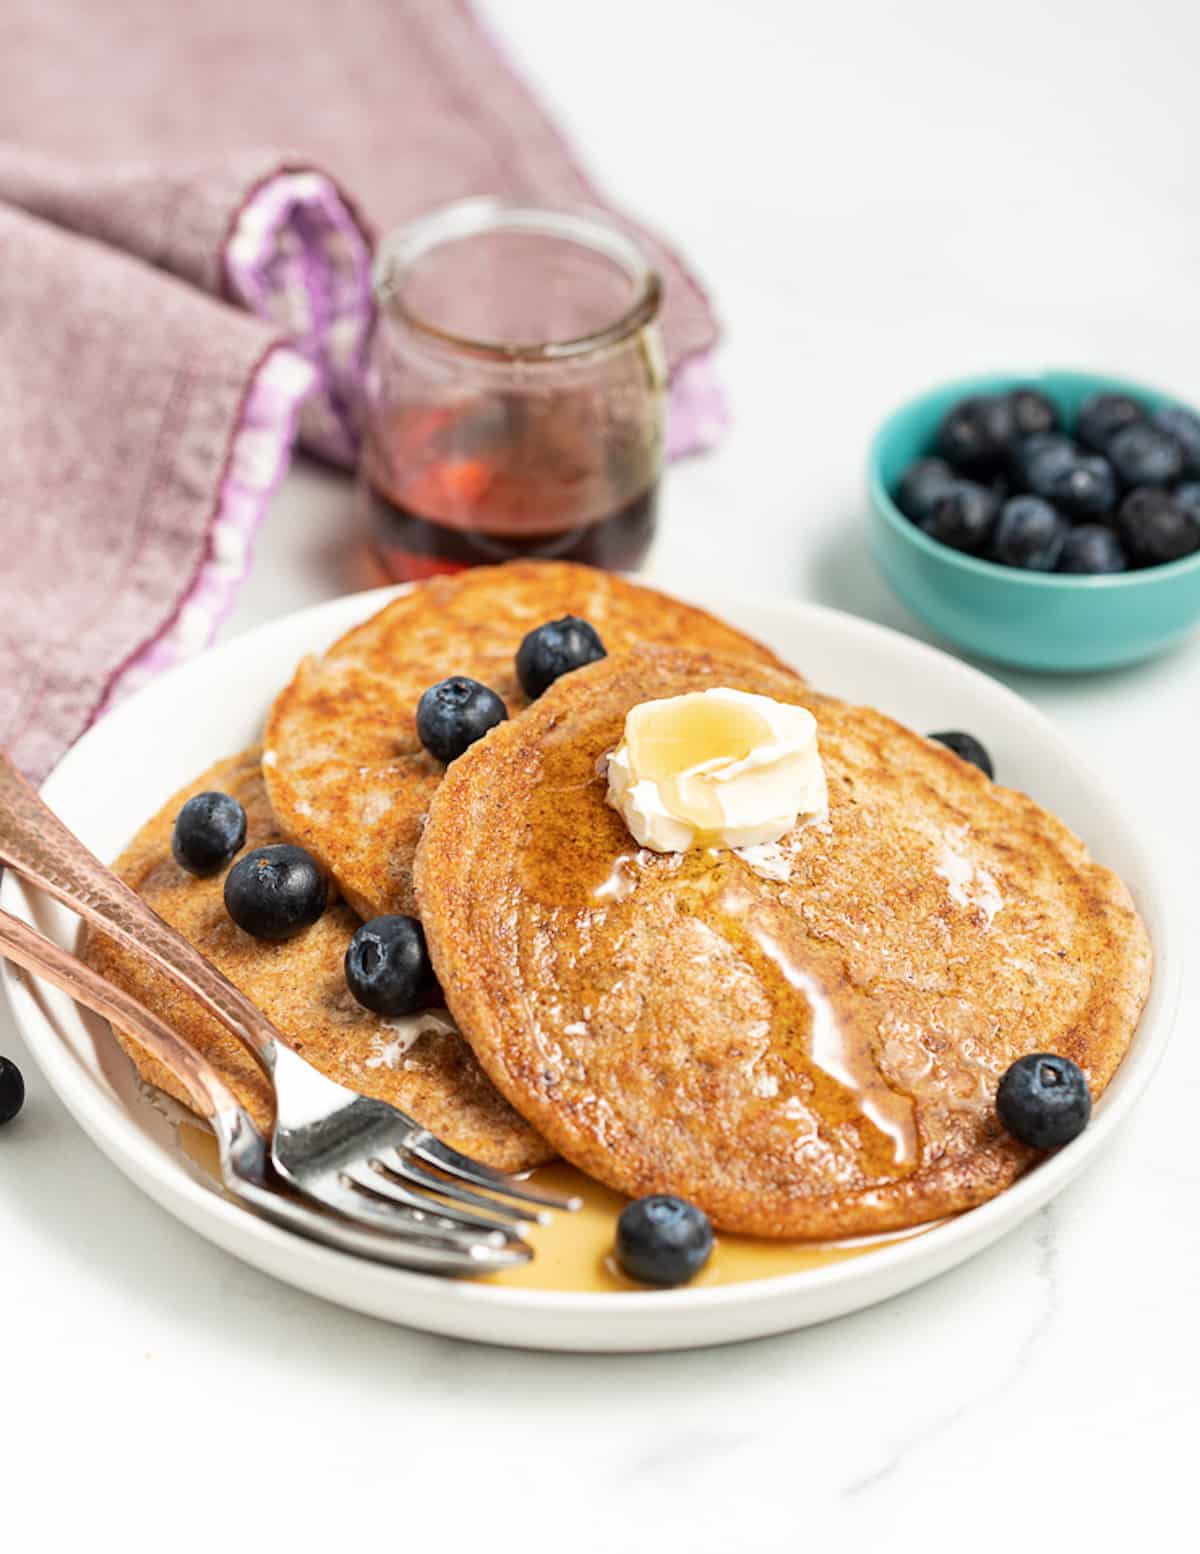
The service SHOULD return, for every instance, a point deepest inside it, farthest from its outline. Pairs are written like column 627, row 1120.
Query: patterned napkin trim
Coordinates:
column 298, row 256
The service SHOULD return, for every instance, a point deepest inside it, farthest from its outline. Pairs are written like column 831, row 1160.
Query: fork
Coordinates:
column 245, row 1167
column 362, row 1158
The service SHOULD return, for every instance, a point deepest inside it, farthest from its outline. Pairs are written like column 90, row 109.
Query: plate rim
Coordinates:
column 88, row 1100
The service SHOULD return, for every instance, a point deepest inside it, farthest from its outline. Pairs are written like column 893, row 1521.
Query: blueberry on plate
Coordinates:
column 663, row 1240
column 1102, row 416
column 922, row 485
column 1154, row 528
column 12, row 1090
column 1039, row 461
column 1187, row 496
column 453, row 714
column 555, row 649
column 1184, row 426
column 963, row 517
column 209, row 830
column 967, row 748
column 1085, row 488
column 976, row 433
column 275, row 892
column 1092, row 548
column 388, row 968
column 1043, row 1100
column 1032, row 412
column 1143, row 455
column 1029, row 533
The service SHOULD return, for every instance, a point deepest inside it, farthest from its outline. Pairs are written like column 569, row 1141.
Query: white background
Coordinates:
column 879, row 195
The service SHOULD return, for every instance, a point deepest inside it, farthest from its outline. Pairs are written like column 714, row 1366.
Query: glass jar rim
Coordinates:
column 473, row 217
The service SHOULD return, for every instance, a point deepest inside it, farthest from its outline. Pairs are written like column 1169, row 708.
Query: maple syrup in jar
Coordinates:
column 516, row 392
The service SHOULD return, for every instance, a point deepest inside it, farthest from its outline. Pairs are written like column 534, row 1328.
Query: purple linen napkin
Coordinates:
column 184, row 284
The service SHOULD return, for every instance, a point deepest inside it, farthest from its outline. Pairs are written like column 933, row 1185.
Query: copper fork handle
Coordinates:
column 38, row 846
column 206, row 1089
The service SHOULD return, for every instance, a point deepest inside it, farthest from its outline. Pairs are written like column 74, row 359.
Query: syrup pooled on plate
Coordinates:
column 573, row 1254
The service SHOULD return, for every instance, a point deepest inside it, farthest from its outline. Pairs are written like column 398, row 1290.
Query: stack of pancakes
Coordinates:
column 805, row 1042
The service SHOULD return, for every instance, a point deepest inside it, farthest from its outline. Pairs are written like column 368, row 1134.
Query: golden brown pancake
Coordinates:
column 805, row 1044
column 301, row 987
column 346, row 775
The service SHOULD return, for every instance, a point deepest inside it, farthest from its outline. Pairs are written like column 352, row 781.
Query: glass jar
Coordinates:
column 516, row 393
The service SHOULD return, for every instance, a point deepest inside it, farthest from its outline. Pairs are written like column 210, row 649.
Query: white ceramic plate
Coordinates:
column 121, row 771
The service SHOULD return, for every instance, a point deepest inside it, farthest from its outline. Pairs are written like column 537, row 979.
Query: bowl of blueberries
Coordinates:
column 1048, row 520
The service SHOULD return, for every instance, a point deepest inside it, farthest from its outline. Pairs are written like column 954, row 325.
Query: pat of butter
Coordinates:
column 717, row 768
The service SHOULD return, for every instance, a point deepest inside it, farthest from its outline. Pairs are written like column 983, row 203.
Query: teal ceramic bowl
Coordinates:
column 1034, row 620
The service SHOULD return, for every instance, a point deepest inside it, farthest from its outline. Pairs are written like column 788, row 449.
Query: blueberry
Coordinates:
column 388, row 968
column 1040, row 461
column 922, row 485
column 453, row 714
column 976, row 434
column 1154, row 528
column 555, row 649
column 1092, row 547
column 1187, row 496
column 1026, row 449
column 963, row 517
column 663, row 1240
column 1000, row 486
column 1032, row 413
column 1085, row 488
column 275, row 892
column 1142, row 455
column 209, row 830
column 1184, row 426
column 1029, row 533
column 1043, row 1100
column 1102, row 416
column 967, row 748
column 12, row 1090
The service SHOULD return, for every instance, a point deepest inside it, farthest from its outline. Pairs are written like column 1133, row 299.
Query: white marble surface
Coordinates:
column 879, row 196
